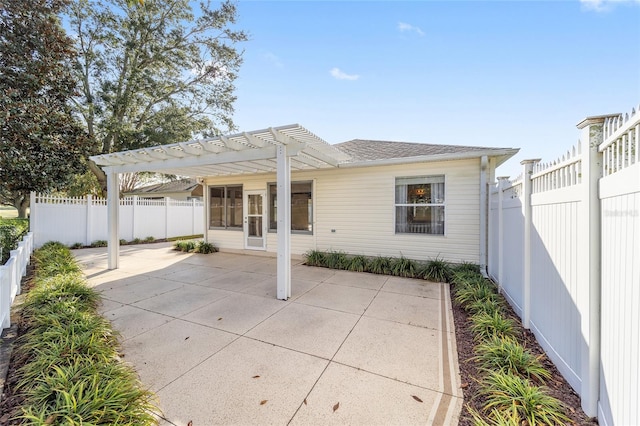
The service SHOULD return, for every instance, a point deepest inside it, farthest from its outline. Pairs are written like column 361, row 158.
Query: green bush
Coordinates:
column 123, row 242
column 486, row 326
column 99, row 243
column 336, row 260
column 514, row 397
column 76, row 246
column 359, row 264
column 70, row 371
column 12, row 231
column 436, row 270
column 205, row 248
column 136, row 241
column 509, row 356
column 380, row 265
column 149, row 239
column 403, row 267
column 315, row 258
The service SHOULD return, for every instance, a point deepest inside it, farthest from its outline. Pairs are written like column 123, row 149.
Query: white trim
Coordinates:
column 245, row 214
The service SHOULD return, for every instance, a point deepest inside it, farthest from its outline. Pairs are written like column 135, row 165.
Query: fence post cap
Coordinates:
column 595, row 119
column 531, row 161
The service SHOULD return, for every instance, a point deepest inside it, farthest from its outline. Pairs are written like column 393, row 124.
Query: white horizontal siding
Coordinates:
column 359, row 204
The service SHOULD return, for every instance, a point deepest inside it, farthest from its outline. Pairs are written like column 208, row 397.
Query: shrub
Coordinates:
column 75, row 246
column 467, row 267
column 359, row 264
column 509, row 356
column 403, row 267
column 205, row 248
column 315, row 258
column 380, row 265
column 436, row 270
column 123, row 242
column 136, row 241
column 336, row 260
column 11, row 232
column 186, row 246
column 149, row 239
column 514, row 397
column 475, row 292
column 486, row 326
column 99, row 243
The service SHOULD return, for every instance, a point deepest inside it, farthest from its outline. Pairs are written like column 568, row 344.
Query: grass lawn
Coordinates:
column 8, row 212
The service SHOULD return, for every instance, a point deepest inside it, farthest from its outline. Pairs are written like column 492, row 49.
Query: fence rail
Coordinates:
column 563, row 248
column 84, row 220
column 11, row 274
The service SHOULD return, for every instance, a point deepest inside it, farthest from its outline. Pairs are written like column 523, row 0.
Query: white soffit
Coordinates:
column 242, row 153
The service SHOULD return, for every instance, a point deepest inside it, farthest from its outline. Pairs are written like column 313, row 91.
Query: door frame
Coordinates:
column 245, row 214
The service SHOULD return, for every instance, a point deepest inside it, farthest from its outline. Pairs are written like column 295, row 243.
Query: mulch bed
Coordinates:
column 469, row 375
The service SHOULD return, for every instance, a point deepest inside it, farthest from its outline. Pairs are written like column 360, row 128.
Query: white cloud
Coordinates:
column 341, row 75
column 604, row 5
column 404, row 27
column 273, row 59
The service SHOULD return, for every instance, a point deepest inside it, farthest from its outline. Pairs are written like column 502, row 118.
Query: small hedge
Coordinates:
column 436, row 270
column 70, row 370
column 191, row 246
column 11, row 233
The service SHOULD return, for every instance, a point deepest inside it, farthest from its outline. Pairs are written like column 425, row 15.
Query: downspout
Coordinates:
column 484, row 206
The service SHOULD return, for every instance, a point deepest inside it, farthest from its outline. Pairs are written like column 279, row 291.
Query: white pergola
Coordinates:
column 277, row 149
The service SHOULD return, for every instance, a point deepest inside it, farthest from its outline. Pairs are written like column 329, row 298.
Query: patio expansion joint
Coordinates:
column 332, row 357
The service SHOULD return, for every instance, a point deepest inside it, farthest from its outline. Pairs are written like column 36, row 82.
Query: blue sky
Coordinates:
column 512, row 74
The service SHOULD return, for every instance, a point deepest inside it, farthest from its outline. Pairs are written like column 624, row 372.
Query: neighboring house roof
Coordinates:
column 182, row 185
column 362, row 151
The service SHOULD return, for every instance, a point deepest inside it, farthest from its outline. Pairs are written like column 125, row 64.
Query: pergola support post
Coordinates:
column 113, row 212
column 284, row 223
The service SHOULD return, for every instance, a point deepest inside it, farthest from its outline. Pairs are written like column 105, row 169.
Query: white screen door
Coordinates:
column 254, row 223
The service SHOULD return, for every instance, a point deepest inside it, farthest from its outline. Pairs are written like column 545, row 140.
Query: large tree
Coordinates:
column 154, row 73
column 41, row 144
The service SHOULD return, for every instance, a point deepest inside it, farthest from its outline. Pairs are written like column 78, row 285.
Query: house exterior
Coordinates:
column 414, row 200
column 284, row 191
column 181, row 189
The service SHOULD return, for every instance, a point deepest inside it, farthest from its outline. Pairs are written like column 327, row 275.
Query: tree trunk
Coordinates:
column 100, row 175
column 21, row 203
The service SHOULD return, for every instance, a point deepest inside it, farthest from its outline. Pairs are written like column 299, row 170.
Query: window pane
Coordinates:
column 301, row 207
column 234, row 207
column 216, row 207
column 420, row 219
column 273, row 208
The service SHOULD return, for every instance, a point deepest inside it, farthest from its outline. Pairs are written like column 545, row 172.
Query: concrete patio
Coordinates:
column 208, row 336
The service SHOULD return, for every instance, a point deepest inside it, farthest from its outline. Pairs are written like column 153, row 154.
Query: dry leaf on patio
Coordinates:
column 255, row 377
column 305, row 401
column 187, row 337
column 335, row 407
column 416, row 398
column 190, row 423
column 220, row 319
column 264, row 401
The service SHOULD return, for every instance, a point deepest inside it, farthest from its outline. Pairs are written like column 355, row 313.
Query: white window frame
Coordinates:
column 313, row 208
column 443, row 204
column 226, row 227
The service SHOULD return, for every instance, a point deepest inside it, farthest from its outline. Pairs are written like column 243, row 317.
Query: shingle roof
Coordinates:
column 186, row 185
column 371, row 150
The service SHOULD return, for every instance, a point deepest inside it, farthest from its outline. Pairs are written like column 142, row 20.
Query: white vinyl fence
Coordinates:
column 84, row 220
column 565, row 248
column 11, row 274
